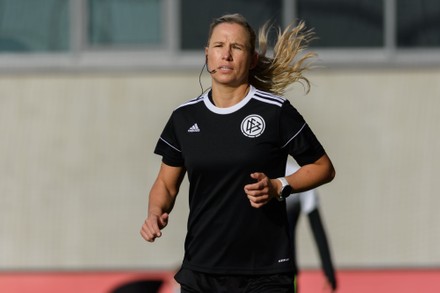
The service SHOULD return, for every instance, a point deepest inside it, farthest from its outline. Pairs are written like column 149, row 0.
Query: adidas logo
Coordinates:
column 194, row 128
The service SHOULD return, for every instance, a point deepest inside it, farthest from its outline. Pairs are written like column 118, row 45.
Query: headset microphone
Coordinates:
column 207, row 68
column 210, row 71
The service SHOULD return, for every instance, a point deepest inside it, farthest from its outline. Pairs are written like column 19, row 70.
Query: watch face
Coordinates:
column 287, row 190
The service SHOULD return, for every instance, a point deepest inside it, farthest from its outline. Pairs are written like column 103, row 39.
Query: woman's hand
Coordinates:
column 262, row 191
column 151, row 229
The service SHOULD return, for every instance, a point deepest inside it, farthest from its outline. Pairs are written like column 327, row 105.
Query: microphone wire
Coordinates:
column 205, row 65
column 200, row 79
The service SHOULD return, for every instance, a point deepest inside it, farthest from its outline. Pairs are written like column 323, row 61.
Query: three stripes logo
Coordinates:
column 253, row 126
column 194, row 128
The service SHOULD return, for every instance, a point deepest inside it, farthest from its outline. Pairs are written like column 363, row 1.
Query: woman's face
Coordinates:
column 228, row 54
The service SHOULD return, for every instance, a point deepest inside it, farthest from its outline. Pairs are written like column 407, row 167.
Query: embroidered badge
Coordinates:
column 253, row 126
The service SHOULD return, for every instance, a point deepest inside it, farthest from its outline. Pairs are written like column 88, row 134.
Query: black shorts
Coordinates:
column 196, row 282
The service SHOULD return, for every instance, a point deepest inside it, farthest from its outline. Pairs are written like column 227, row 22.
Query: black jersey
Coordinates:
column 220, row 148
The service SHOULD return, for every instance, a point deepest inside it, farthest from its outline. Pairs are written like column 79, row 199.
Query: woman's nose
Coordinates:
column 227, row 53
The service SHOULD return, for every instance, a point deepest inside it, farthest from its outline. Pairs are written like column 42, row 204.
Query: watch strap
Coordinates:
column 284, row 183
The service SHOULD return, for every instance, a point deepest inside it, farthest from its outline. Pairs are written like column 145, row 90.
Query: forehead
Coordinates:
column 230, row 32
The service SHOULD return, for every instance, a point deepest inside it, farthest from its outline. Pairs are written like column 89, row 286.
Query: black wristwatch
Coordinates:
column 286, row 189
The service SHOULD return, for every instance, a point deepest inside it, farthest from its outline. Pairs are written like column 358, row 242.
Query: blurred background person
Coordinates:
column 307, row 202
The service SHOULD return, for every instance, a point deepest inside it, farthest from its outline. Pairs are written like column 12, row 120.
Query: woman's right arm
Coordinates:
column 161, row 200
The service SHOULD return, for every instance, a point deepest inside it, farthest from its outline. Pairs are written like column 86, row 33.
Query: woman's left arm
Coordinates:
column 310, row 176
column 307, row 177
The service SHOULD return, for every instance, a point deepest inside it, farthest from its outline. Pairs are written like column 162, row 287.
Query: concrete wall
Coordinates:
column 76, row 164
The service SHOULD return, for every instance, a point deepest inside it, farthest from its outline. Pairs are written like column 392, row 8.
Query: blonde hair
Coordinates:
column 287, row 66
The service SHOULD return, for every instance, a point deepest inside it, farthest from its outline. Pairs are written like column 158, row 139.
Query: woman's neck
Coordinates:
column 225, row 97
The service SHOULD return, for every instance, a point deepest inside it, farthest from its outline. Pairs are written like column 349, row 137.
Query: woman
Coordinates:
column 233, row 142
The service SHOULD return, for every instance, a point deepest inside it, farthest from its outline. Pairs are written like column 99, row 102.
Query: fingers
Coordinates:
column 258, row 193
column 260, row 185
column 258, row 202
column 151, row 229
column 163, row 221
column 257, row 175
column 149, row 233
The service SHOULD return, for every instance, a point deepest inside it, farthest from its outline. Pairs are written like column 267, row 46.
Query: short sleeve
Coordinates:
column 168, row 146
column 297, row 137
